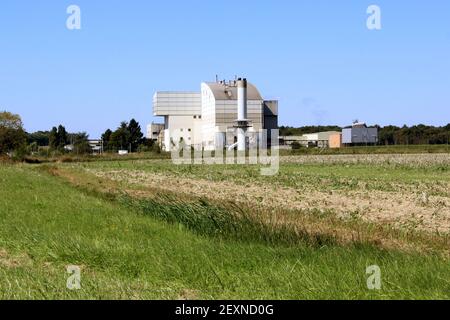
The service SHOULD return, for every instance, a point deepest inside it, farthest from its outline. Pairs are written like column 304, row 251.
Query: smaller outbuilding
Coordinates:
column 154, row 131
column 310, row 140
column 359, row 134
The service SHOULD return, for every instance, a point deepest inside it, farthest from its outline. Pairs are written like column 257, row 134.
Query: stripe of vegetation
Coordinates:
column 231, row 222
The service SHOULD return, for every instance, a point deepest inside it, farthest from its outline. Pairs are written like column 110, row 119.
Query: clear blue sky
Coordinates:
column 317, row 57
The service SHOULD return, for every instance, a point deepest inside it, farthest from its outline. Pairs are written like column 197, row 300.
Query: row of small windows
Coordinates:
column 197, row 117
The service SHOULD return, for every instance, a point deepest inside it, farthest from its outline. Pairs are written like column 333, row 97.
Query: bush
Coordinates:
column 296, row 146
column 32, row 160
column 43, row 152
column 66, row 159
column 12, row 136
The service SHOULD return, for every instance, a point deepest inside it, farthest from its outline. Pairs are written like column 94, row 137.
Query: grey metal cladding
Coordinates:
column 359, row 135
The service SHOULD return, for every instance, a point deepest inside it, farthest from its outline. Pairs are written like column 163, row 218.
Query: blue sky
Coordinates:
column 317, row 57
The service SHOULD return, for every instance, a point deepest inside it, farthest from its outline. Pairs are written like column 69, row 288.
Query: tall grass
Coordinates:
column 47, row 224
column 251, row 222
column 225, row 221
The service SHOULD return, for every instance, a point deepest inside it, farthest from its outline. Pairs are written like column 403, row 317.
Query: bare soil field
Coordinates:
column 403, row 209
column 403, row 191
column 413, row 160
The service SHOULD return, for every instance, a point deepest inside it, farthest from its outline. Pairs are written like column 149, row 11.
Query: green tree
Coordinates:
column 81, row 143
column 41, row 138
column 58, row 138
column 53, row 138
column 33, row 147
column 120, row 138
column 12, row 135
column 106, row 138
column 386, row 135
column 62, row 137
column 135, row 138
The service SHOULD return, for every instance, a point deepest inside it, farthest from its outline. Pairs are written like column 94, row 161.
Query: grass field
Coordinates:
column 363, row 150
column 149, row 229
column 397, row 149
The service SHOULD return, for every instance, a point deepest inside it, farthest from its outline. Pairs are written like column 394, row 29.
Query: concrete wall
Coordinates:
column 209, row 130
column 153, row 130
column 221, row 115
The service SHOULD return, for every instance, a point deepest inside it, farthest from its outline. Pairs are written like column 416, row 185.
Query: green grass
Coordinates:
column 407, row 181
column 328, row 176
column 107, row 156
column 46, row 224
column 399, row 149
column 361, row 150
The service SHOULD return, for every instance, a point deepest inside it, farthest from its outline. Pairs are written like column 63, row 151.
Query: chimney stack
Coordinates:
column 242, row 121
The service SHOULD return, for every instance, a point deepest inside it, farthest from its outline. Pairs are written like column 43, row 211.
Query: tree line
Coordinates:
column 419, row 134
column 15, row 141
column 388, row 135
column 128, row 136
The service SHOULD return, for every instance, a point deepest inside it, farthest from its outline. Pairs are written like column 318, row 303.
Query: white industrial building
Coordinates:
column 219, row 115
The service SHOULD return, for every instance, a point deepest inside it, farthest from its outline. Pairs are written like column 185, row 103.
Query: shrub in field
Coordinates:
column 12, row 135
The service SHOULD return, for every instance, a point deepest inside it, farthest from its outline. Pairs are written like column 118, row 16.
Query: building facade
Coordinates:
column 359, row 134
column 154, row 130
column 335, row 141
column 207, row 119
column 310, row 140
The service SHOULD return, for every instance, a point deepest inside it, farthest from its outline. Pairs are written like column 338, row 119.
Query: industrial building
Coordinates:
column 320, row 139
column 223, row 113
column 96, row 146
column 359, row 134
column 154, row 130
column 335, row 141
column 310, row 140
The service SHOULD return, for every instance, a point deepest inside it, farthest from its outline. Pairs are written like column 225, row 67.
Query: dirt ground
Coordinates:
column 402, row 208
column 413, row 160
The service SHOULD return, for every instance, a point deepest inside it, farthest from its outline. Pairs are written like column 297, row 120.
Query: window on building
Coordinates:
column 195, row 117
column 189, row 130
